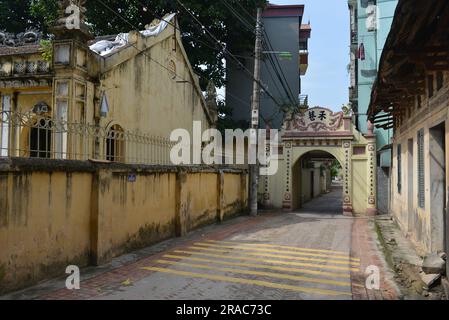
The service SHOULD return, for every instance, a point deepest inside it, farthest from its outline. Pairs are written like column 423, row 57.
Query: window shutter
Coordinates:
column 421, row 191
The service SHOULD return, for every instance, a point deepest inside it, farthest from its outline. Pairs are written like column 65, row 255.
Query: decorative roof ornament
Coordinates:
column 29, row 37
column 71, row 22
column 211, row 100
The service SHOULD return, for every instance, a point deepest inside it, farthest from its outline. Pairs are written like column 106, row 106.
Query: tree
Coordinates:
column 206, row 56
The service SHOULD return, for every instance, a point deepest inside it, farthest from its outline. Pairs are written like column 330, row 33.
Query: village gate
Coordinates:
column 322, row 130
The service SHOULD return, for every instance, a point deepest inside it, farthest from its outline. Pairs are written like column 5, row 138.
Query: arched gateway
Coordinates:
column 321, row 131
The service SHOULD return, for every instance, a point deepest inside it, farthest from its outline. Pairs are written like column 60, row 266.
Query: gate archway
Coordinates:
column 322, row 130
column 312, row 177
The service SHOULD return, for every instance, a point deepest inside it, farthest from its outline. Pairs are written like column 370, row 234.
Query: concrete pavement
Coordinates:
column 314, row 253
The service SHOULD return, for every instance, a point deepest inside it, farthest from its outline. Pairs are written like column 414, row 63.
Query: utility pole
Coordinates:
column 255, row 103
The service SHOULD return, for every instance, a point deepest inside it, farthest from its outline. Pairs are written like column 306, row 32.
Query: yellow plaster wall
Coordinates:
column 202, row 198
column 44, row 224
column 144, row 96
column 359, row 186
column 49, row 220
column 235, row 193
column 140, row 212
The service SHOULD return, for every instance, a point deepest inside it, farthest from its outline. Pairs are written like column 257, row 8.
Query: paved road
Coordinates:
column 301, row 255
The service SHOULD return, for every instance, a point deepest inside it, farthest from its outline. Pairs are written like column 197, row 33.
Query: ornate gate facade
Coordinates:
column 322, row 130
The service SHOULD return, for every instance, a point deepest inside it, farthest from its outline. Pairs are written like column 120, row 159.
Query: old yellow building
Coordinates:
column 113, row 99
column 110, row 99
column 411, row 96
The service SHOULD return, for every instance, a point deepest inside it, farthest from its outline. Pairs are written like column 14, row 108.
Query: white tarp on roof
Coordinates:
column 105, row 47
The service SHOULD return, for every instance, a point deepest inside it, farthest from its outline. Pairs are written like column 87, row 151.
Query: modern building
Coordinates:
column 370, row 25
column 411, row 96
column 285, row 60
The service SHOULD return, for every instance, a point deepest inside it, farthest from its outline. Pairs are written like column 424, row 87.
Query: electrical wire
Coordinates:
column 229, row 53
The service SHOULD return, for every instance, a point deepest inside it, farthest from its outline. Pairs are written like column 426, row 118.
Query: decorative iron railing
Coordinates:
column 37, row 136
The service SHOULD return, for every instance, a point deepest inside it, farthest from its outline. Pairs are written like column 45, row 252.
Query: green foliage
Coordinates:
column 47, row 50
column 335, row 169
column 15, row 15
column 45, row 12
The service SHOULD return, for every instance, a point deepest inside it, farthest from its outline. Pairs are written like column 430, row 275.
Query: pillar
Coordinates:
column 220, row 196
column 288, row 200
column 101, row 220
column 182, row 204
column 347, row 179
column 371, row 171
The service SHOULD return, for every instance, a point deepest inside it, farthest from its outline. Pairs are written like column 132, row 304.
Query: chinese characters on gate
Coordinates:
column 321, row 116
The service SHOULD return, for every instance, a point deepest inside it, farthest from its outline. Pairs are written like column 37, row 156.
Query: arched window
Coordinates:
column 115, row 144
column 40, row 139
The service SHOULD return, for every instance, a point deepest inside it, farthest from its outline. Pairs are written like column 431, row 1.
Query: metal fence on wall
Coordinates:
column 39, row 136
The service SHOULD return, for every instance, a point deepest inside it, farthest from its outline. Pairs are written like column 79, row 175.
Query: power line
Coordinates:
column 247, row 25
column 279, row 72
column 228, row 52
column 245, row 11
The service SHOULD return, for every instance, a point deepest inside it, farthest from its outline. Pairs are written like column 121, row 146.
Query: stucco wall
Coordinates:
column 57, row 213
column 424, row 226
column 44, row 224
column 202, row 198
column 141, row 212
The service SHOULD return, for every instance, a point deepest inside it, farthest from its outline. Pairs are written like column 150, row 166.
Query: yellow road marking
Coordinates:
column 309, row 254
column 260, row 266
column 279, row 246
column 300, row 264
column 259, row 273
column 354, row 264
column 250, row 282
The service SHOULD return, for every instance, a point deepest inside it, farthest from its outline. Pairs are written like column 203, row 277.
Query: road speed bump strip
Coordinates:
column 249, row 282
column 290, row 263
column 279, row 246
column 308, row 254
column 262, row 266
column 258, row 273
column 353, row 264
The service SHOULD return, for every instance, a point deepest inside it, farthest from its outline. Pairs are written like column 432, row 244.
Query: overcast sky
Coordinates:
column 327, row 79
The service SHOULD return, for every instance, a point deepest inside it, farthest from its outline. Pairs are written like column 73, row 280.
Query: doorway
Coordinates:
column 437, row 155
column 317, row 183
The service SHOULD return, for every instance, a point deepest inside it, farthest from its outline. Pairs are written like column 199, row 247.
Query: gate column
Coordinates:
column 287, row 203
column 347, row 179
column 371, row 168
